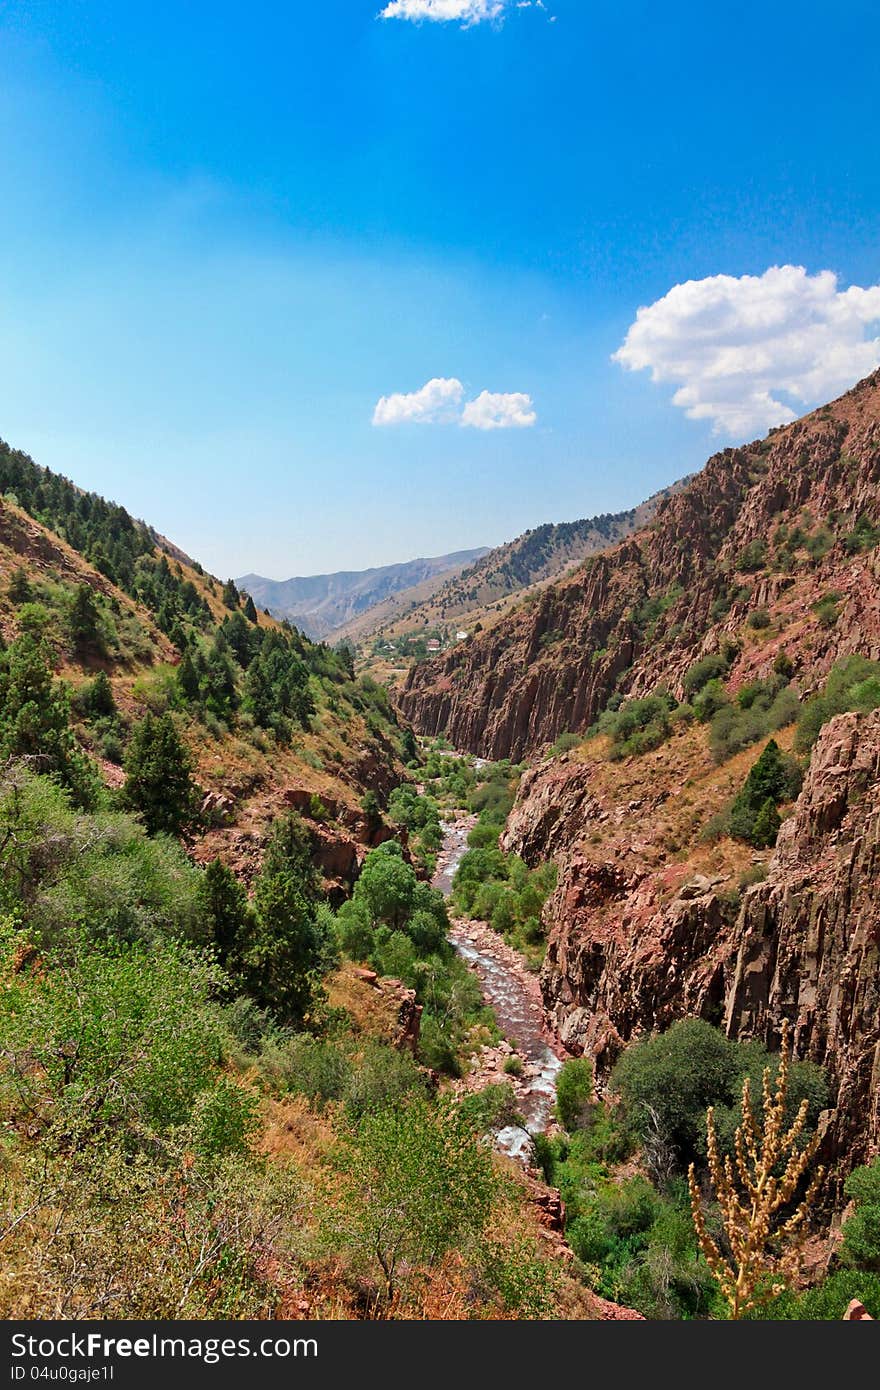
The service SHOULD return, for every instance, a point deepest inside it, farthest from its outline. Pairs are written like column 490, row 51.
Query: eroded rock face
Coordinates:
column 638, row 615
column 807, row 944
column 633, row 947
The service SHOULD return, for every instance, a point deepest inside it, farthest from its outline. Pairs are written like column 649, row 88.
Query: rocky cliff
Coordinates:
column 767, row 526
column 639, row 937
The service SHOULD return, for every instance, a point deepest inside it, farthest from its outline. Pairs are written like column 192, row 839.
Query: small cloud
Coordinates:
column 500, row 411
column 465, row 12
column 437, row 402
column 734, row 345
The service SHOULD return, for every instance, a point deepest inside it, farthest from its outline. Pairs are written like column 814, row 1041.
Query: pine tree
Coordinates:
column 187, row 679
column 84, row 618
column 159, row 783
column 19, row 589
column 227, row 916
column 97, row 700
column 231, row 595
column 250, row 610
column 35, row 720
column 766, row 826
column 285, row 953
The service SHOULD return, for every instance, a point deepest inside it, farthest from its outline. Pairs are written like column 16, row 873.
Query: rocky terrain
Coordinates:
column 652, row 918
column 501, row 578
column 638, row 615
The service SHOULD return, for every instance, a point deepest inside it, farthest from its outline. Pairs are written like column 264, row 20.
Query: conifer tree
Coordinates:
column 227, row 916
column 159, row 783
column 250, row 610
column 35, row 720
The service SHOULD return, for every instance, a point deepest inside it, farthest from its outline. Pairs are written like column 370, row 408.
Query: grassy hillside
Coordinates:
column 270, row 719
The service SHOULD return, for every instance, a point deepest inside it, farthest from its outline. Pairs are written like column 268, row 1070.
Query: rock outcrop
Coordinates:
column 637, row 941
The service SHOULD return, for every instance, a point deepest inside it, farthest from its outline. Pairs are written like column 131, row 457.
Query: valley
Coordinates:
column 527, row 916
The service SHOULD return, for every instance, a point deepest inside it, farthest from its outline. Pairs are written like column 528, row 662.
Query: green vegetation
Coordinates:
column 760, row 708
column 159, row 783
column 853, row 684
column 631, row 1227
column 420, row 817
column 753, row 815
column 861, row 1231
column 666, row 1083
column 35, row 719
column 399, row 925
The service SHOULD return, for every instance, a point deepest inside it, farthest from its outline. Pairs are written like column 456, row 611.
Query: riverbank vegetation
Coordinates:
column 621, row 1166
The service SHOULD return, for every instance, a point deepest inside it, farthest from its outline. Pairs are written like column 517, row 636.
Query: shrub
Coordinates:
column 419, row 1184
column 701, row 672
column 574, row 1093
column 861, row 1230
column 753, row 557
column 759, row 619
column 853, row 684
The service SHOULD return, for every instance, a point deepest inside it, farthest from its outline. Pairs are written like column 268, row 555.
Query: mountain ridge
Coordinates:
column 320, row 604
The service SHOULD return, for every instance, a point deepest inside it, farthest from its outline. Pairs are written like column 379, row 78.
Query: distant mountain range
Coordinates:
column 319, row 604
column 479, row 592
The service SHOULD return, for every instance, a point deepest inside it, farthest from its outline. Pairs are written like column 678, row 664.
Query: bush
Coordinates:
column 706, row 669
column 638, row 725
column 763, row 707
column 853, row 684
column 574, row 1093
column 759, row 619
column 668, row 1081
column 861, row 1230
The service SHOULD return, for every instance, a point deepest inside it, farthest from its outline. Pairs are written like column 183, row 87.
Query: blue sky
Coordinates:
column 228, row 232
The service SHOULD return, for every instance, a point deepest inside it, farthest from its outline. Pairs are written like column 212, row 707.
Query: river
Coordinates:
column 513, row 993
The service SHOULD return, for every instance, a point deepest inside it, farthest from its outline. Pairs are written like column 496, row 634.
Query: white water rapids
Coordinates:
column 512, row 994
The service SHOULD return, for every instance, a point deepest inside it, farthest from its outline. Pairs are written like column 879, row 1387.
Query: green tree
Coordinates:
column 225, row 912
column 387, row 886
column 861, row 1230
column 775, row 777
column 250, row 610
column 286, row 950
column 188, row 679
column 420, row 1184
column 158, row 776
column 97, row 699
column 84, row 618
column 574, row 1093
column 231, row 596
column 35, row 719
column 19, row 590
column 766, row 827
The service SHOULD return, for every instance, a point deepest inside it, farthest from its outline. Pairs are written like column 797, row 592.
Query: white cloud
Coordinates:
column 493, row 410
column 467, row 12
column 734, row 345
column 437, row 402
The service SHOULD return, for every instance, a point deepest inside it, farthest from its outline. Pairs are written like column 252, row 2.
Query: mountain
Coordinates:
column 321, row 604
column 741, row 627
column 771, row 526
column 501, row 576
column 157, row 616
